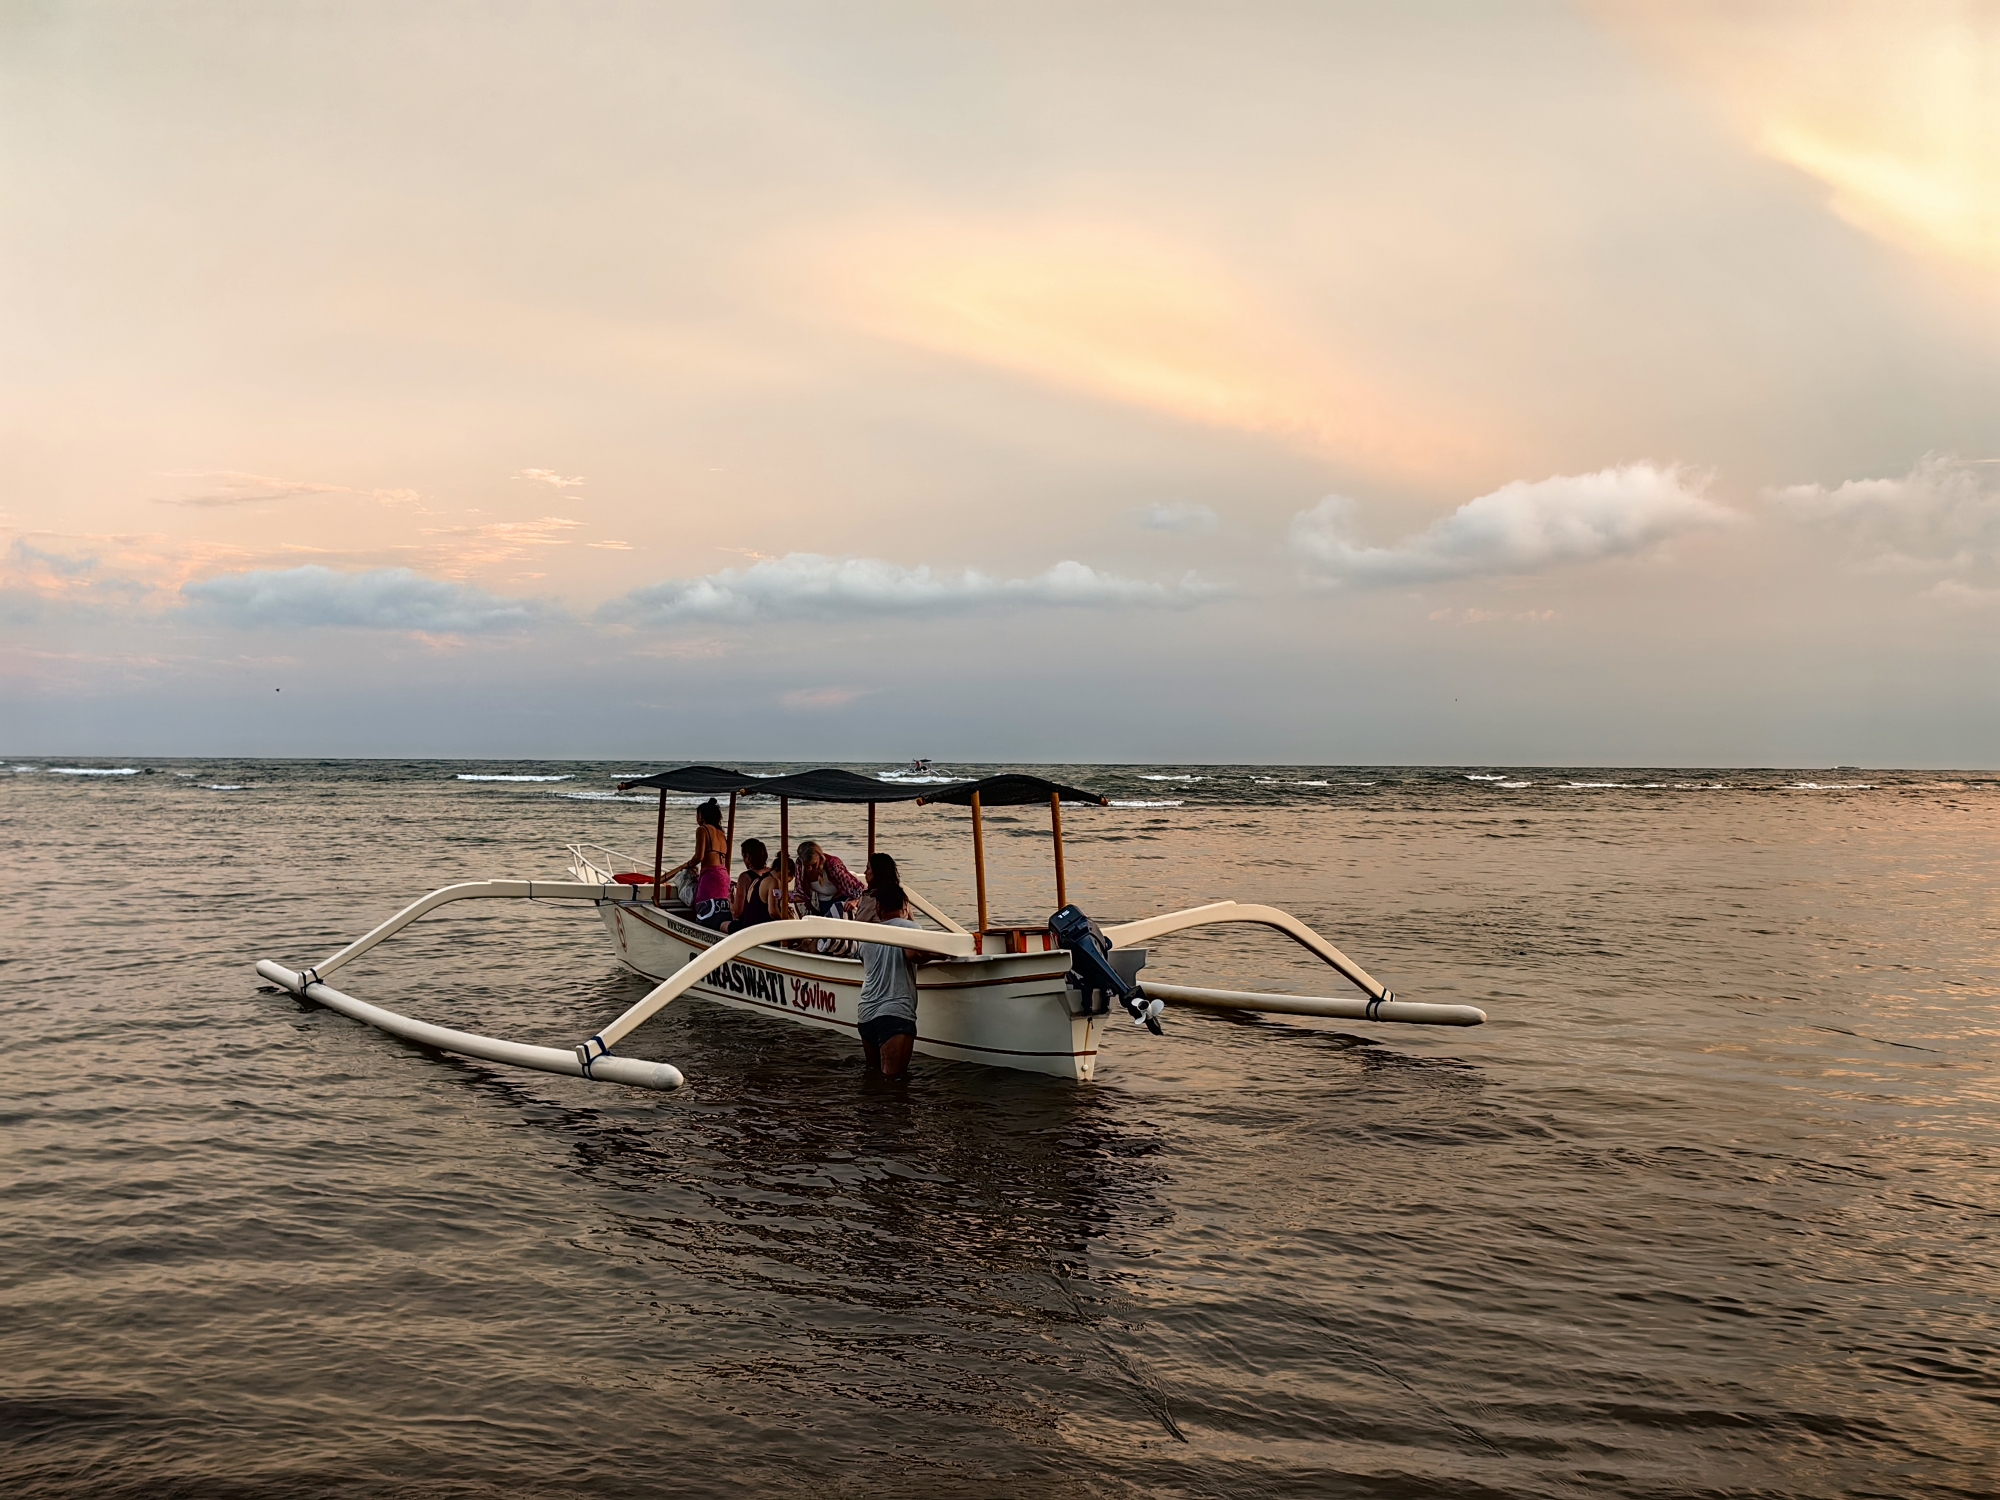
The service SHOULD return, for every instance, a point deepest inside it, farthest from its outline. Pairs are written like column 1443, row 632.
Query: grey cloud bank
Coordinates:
column 804, row 585
column 379, row 599
column 1944, row 513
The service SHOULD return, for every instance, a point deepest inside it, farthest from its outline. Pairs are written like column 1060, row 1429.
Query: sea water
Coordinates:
column 1710, row 1206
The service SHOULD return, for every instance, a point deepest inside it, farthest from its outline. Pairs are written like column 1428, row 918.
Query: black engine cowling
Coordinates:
column 1092, row 971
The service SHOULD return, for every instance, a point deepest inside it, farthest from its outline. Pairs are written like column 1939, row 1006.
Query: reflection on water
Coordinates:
column 1708, row 1207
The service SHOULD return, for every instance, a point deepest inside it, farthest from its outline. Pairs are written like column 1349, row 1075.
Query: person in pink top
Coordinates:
column 711, row 867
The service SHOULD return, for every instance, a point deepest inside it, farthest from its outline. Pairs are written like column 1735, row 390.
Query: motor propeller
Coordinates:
column 1091, row 967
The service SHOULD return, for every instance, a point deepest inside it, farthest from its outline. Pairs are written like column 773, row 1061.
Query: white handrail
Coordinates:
column 946, row 944
column 1128, row 934
column 581, row 854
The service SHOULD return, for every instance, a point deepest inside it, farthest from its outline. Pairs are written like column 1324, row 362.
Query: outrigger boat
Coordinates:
column 1038, row 997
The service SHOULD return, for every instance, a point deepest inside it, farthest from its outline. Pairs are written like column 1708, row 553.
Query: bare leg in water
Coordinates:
column 892, row 1058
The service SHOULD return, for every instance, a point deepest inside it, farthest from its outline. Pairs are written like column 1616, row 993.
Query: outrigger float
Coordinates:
column 1037, row 998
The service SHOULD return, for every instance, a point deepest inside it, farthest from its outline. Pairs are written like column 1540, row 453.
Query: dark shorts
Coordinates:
column 874, row 1033
column 712, row 914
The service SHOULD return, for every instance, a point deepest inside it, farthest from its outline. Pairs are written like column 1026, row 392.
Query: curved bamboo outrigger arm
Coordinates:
column 475, row 890
column 676, row 984
column 590, row 1059
column 936, row 913
column 1381, row 1004
column 1127, row 934
column 309, row 984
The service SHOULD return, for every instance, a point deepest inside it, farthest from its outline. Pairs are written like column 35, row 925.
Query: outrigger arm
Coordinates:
column 310, row 984
column 590, row 1059
column 676, row 984
column 1380, row 1004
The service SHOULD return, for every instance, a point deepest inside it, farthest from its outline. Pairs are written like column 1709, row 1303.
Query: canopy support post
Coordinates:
column 729, row 838
column 1055, row 827
column 785, row 857
column 979, row 865
column 871, row 830
column 659, row 846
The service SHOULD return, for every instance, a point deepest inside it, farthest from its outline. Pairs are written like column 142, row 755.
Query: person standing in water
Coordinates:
column 888, row 1010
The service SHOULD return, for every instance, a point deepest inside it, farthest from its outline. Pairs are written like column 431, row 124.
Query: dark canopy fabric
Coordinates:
column 834, row 785
column 699, row 781
column 1008, row 791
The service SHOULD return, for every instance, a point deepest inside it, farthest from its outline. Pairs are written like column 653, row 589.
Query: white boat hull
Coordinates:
column 1008, row 1010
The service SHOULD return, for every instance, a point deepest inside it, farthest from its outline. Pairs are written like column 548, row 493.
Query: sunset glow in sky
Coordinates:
column 1571, row 383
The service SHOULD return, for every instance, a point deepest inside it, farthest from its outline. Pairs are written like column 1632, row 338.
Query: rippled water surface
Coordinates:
column 1711, row 1206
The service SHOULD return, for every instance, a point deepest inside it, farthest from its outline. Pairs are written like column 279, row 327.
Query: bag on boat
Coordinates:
column 684, row 887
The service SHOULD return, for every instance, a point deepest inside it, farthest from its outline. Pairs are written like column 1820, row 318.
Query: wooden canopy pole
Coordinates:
column 785, row 856
column 660, row 846
column 729, row 838
column 979, row 863
column 1055, row 826
column 871, row 830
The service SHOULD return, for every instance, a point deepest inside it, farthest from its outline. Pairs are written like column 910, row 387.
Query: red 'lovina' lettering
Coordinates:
column 806, row 995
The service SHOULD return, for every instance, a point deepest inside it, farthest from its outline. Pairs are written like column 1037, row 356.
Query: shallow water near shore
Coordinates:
column 1710, row 1206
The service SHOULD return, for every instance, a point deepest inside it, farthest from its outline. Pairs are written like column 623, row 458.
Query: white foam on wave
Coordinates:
column 1832, row 786
column 1514, row 786
column 1470, row 776
column 1596, row 786
column 1314, row 783
column 463, row 776
column 24, row 770
column 1116, row 803
column 1189, row 779
column 620, row 797
column 222, row 787
column 1361, row 783
column 90, row 771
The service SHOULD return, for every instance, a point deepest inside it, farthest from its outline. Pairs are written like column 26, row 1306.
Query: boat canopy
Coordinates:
column 1008, row 791
column 699, row 781
column 831, row 784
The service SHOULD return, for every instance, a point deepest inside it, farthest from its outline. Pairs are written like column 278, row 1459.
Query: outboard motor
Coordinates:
column 1092, row 971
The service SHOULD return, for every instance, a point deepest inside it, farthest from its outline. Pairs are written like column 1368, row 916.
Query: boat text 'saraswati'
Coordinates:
column 1036, row 998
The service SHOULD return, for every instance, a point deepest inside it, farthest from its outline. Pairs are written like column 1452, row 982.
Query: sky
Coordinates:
column 1331, row 384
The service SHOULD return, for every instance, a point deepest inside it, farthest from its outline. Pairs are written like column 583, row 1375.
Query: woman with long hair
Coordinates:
column 711, row 866
column 888, row 1009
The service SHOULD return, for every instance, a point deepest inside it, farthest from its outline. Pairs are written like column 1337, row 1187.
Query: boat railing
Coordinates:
column 596, row 864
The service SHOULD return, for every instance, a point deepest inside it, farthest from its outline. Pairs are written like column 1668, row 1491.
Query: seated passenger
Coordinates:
column 825, row 887
column 745, row 902
column 769, row 891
